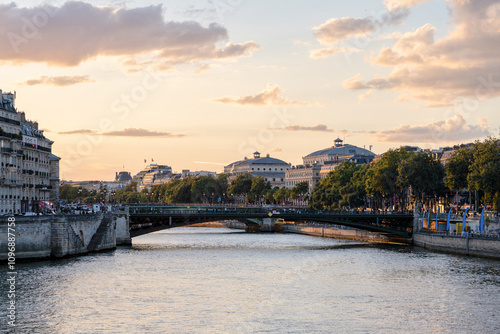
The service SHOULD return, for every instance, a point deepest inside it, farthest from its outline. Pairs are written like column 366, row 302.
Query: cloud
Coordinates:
column 276, row 150
column 134, row 132
column 129, row 132
column 269, row 96
column 453, row 70
column 394, row 5
column 315, row 128
column 450, row 131
column 336, row 30
column 78, row 31
column 211, row 163
column 202, row 68
column 59, row 81
column 78, row 132
column 327, row 52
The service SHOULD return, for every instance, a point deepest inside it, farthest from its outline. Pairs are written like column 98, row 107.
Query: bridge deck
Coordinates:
column 154, row 218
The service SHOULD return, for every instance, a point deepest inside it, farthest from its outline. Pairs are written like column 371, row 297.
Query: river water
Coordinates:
column 204, row 280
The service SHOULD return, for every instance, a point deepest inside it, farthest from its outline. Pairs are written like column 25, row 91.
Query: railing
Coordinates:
column 200, row 208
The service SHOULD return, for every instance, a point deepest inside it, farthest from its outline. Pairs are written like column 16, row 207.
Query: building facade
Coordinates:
column 152, row 174
column 25, row 161
column 271, row 169
column 318, row 164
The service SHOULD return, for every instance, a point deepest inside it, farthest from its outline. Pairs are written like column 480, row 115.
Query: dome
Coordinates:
column 123, row 177
column 346, row 149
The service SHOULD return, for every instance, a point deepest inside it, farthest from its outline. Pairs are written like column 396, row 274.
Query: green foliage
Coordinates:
column 484, row 172
column 383, row 176
column 300, row 189
column 258, row 189
column 457, row 169
column 343, row 187
column 241, row 185
column 72, row 194
column 423, row 173
column 281, row 195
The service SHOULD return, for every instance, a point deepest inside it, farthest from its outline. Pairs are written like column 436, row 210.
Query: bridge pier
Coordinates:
column 252, row 228
column 122, row 228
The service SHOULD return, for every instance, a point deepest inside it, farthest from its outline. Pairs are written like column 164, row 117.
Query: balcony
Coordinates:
column 6, row 150
column 10, row 183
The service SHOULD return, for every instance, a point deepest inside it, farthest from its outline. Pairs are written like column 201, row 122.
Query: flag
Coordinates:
column 481, row 221
column 448, row 220
column 463, row 220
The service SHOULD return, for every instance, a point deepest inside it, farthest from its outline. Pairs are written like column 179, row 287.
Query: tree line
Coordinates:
column 402, row 178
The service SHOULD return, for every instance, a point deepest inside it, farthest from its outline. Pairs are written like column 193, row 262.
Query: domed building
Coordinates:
column 318, row 164
column 123, row 176
column 271, row 169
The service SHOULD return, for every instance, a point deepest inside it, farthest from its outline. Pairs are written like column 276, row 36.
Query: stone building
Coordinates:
column 318, row 164
column 151, row 174
column 54, row 179
column 25, row 161
column 271, row 169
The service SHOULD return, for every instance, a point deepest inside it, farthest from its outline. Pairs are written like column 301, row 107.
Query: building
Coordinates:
column 271, row 169
column 26, row 180
column 54, row 179
column 318, row 164
column 152, row 174
column 123, row 176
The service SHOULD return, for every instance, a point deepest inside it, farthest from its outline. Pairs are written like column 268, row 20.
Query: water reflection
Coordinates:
column 216, row 281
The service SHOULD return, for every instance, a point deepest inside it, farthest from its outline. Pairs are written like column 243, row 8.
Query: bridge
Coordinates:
column 146, row 219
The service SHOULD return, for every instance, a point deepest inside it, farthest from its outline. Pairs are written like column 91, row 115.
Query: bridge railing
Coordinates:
column 253, row 209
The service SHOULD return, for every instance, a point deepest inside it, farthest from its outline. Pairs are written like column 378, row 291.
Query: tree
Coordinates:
column 384, row 174
column 281, row 195
column 241, row 185
column 258, row 189
column 300, row 189
column 457, row 169
column 484, row 172
column 422, row 173
column 208, row 188
column 344, row 186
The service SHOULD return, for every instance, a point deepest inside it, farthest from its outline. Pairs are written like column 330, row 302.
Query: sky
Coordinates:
column 200, row 84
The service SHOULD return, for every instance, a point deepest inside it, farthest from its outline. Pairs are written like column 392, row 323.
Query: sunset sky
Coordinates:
column 200, row 84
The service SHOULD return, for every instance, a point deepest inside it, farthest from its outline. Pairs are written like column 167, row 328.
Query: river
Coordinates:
column 206, row 280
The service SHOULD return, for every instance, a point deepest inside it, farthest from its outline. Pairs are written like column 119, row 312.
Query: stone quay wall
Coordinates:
column 332, row 232
column 41, row 237
column 466, row 245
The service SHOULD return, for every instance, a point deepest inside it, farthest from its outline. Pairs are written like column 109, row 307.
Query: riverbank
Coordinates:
column 458, row 244
column 328, row 231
